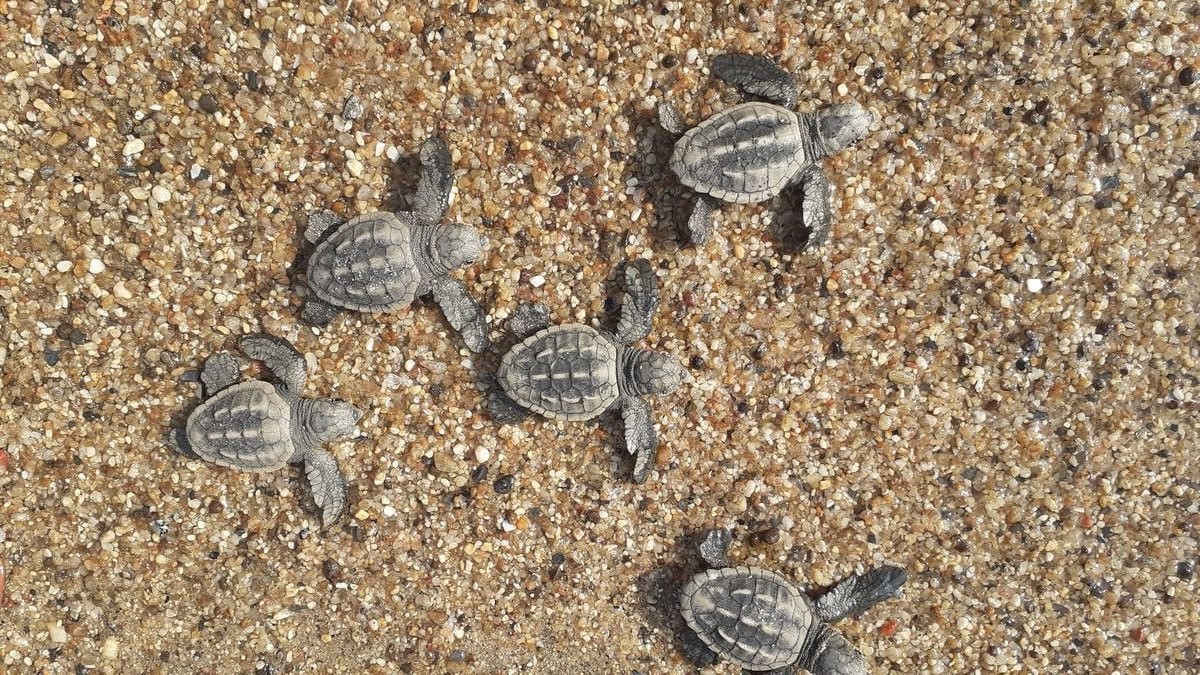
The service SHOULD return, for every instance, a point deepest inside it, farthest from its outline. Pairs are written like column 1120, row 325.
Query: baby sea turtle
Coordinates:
column 575, row 372
column 752, row 151
column 256, row 426
column 380, row 262
column 761, row 622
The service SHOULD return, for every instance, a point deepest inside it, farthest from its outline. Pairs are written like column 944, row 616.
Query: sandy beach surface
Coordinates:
column 990, row 375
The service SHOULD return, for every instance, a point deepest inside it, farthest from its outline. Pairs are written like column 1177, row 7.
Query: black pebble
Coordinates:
column 208, row 104
column 51, row 357
column 1187, row 76
column 504, row 484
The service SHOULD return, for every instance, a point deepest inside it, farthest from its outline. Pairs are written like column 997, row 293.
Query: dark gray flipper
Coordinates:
column 327, row 483
column 817, row 205
column 280, row 357
column 641, row 301
column 715, row 548
column 830, row 653
column 220, row 370
column 316, row 311
column 528, row 319
column 861, row 592
column 756, row 75
column 437, row 179
column 177, row 440
column 700, row 224
column 695, row 651
column 505, row 410
column 670, row 119
column 464, row 314
column 640, row 437
column 322, row 224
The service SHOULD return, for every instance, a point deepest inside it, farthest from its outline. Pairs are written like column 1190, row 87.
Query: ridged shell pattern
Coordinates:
column 366, row 265
column 247, row 426
column 563, row 372
column 745, row 154
column 751, row 616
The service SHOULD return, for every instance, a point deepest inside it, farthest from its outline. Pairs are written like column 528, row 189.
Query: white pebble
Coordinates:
column 110, row 649
column 355, row 167
column 389, row 511
column 507, row 526
column 57, row 632
column 482, row 455
column 537, row 281
column 120, row 291
column 1033, row 285
column 63, row 266
column 161, row 194
column 133, row 147
column 95, row 266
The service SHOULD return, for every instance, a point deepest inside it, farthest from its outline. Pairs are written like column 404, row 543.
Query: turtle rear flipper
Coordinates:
column 700, row 223
column 670, row 119
column 758, row 76
column 321, row 224
column 220, row 371
column 817, row 206
column 861, row 592
column 280, row 357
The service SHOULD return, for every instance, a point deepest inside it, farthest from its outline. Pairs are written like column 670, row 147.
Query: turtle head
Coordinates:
column 655, row 373
column 842, row 125
column 330, row 419
column 456, row 246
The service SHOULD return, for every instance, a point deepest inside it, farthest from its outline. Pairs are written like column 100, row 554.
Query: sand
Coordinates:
column 989, row 375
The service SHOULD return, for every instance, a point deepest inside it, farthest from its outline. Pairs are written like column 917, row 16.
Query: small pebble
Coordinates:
column 1187, row 76
column 504, row 484
column 110, row 649
column 161, row 194
column 353, row 109
column 133, row 147
column 57, row 632
column 95, row 266
column 482, row 454
column 120, row 291
column 208, row 103
column 537, row 281
column 1033, row 285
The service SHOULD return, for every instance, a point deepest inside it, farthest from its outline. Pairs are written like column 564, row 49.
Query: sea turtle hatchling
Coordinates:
column 761, row 622
column 749, row 153
column 257, row 426
column 379, row 262
column 575, row 372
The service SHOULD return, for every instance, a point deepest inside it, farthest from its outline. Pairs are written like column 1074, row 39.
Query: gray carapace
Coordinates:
column 258, row 426
column 762, row 622
column 575, row 372
column 753, row 151
column 379, row 262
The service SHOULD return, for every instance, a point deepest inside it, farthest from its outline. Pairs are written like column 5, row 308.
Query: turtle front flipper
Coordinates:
column 670, row 119
column 641, row 301
column 220, row 371
column 700, row 223
column 640, row 437
column 758, row 76
column 280, row 358
column 464, row 314
column 817, row 205
column 435, row 184
column 527, row 319
column 861, row 592
column 321, row 224
column 830, row 653
column 327, row 483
